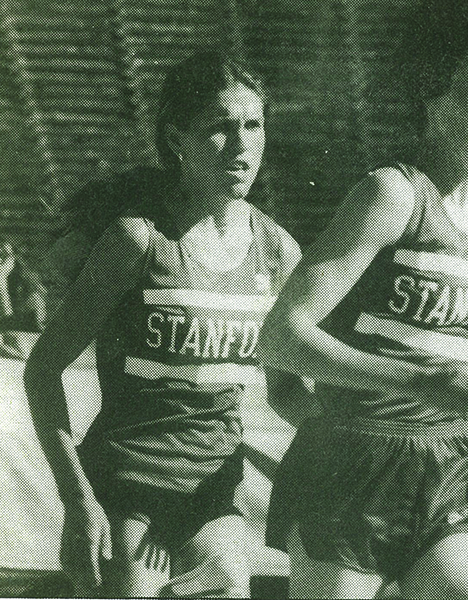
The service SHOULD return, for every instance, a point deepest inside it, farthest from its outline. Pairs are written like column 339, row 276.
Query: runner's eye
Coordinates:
column 253, row 124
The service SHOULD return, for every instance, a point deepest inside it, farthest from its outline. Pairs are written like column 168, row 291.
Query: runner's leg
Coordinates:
column 213, row 563
column 318, row 579
column 442, row 572
column 140, row 566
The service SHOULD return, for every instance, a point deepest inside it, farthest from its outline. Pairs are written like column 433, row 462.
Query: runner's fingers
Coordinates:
column 106, row 542
column 165, row 562
column 162, row 564
column 95, row 567
column 158, row 558
column 151, row 556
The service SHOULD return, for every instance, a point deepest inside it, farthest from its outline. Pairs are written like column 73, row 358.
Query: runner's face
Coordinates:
column 223, row 146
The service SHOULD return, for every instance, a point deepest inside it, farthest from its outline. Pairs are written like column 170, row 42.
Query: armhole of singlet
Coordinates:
column 151, row 247
column 150, row 250
column 268, row 240
column 415, row 177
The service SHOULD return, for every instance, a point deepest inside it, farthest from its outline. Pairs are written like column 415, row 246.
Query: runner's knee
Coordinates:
column 223, row 575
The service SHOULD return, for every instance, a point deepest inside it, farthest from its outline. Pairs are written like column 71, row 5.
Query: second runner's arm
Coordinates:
column 374, row 215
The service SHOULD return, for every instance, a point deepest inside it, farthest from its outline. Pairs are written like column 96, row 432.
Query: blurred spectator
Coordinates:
column 22, row 303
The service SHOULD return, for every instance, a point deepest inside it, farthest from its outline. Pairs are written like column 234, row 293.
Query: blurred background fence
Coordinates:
column 79, row 82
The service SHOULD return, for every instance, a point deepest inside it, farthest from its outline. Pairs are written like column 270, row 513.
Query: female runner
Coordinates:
column 175, row 292
column 376, row 313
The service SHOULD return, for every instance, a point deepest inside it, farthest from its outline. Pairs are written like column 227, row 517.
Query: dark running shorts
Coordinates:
column 174, row 517
column 372, row 496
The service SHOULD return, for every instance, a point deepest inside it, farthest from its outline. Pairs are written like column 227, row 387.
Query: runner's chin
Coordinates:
column 237, row 183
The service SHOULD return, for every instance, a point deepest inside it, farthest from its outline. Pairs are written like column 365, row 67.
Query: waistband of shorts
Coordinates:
column 457, row 427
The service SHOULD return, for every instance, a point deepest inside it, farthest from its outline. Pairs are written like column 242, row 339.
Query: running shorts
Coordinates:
column 173, row 517
column 371, row 495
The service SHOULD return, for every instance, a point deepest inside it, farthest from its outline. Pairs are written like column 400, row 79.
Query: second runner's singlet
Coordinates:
column 174, row 357
column 413, row 298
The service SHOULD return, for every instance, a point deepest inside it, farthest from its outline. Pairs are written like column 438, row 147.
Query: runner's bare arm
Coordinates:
column 374, row 215
column 112, row 269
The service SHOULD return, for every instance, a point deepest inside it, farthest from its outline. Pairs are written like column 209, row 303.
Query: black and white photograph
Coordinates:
column 234, row 299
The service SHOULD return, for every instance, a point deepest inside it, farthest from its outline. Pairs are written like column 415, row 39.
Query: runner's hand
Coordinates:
column 86, row 540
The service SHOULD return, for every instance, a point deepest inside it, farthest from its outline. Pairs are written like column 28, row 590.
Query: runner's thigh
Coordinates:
column 319, row 579
column 442, row 572
column 213, row 562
